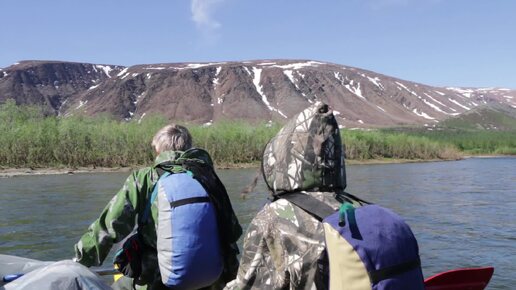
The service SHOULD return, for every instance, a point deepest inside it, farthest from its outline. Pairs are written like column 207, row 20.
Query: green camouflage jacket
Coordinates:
column 119, row 217
column 284, row 245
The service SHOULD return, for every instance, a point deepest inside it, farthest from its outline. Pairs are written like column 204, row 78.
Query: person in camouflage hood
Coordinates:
column 118, row 219
column 284, row 245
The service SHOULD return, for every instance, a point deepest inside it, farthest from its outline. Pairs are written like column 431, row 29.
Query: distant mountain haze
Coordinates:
column 261, row 90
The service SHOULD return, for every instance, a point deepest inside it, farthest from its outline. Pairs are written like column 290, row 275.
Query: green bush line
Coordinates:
column 474, row 141
column 364, row 145
column 28, row 138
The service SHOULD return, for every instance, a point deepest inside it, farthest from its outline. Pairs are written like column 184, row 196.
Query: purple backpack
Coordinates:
column 368, row 247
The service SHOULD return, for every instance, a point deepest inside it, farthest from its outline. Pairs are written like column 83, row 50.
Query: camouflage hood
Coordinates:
column 306, row 154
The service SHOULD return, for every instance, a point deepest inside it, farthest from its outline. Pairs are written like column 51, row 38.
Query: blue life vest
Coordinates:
column 189, row 253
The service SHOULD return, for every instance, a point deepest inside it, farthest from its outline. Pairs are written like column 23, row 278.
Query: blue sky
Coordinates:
column 435, row 42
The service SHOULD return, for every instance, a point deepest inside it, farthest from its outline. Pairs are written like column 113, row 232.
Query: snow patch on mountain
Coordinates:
column 433, row 106
column 259, row 88
column 216, row 78
column 247, row 70
column 199, row 65
column 220, row 99
column 81, row 104
column 122, row 72
column 105, row 68
column 290, row 76
column 348, row 84
column 422, row 114
column 61, row 106
column 126, row 75
column 156, row 68
column 357, row 91
column 407, row 89
column 465, row 92
column 138, row 98
column 141, row 118
column 436, row 101
column 375, row 81
column 298, row 65
column 459, row 104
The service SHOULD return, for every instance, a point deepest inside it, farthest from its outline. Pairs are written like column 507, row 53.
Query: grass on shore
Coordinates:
column 31, row 139
column 471, row 142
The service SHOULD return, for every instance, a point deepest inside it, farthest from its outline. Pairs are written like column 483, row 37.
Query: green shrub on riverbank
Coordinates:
column 473, row 141
column 364, row 145
column 234, row 142
column 32, row 139
column 29, row 138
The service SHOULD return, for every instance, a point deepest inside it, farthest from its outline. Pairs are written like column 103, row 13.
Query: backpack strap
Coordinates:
column 199, row 199
column 145, row 217
column 310, row 204
column 389, row 272
column 343, row 197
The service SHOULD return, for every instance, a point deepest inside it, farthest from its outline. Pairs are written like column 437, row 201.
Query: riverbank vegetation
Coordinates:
column 30, row 139
column 473, row 142
column 365, row 145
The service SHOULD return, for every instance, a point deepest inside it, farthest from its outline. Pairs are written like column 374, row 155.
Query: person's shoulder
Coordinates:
column 280, row 208
column 142, row 172
column 199, row 154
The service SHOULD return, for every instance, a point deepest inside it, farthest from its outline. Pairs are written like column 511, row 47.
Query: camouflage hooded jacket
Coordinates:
column 284, row 245
column 119, row 217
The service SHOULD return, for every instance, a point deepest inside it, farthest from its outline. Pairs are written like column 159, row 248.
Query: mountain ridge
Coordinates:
column 257, row 90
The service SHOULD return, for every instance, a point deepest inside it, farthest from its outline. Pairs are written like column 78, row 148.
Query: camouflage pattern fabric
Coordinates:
column 283, row 248
column 284, row 245
column 306, row 154
column 119, row 218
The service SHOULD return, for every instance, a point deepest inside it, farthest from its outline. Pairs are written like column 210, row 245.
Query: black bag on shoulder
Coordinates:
column 128, row 259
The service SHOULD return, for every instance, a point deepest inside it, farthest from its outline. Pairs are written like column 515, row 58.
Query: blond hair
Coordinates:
column 172, row 137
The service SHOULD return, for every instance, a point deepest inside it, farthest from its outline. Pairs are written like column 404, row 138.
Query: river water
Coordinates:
column 462, row 212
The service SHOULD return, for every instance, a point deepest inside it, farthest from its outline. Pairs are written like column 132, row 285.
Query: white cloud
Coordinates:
column 202, row 11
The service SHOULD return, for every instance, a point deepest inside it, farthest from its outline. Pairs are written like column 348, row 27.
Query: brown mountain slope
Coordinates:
column 251, row 90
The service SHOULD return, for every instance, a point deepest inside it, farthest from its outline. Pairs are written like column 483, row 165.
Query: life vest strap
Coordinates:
column 310, row 204
column 180, row 202
column 389, row 272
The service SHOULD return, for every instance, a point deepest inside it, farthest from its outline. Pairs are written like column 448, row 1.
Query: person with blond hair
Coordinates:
column 133, row 210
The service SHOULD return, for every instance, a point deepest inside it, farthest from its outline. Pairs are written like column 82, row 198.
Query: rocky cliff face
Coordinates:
column 50, row 84
column 254, row 90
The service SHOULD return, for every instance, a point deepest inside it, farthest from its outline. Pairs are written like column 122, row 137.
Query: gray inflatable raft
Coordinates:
column 65, row 274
